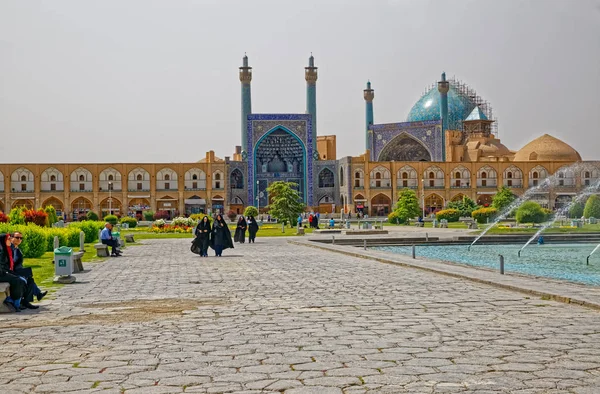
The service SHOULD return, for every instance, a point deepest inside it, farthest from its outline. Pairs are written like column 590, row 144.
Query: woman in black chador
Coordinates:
column 221, row 237
column 203, row 232
column 240, row 230
column 252, row 229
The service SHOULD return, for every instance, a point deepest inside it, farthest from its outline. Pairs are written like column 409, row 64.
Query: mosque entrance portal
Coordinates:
column 280, row 156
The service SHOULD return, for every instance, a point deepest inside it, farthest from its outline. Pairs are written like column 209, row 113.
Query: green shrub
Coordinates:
column 148, row 216
column 393, row 218
column 93, row 216
column 34, row 241
column 482, row 215
column 51, row 212
column 251, row 211
column 592, row 207
column 112, row 219
column 89, row 228
column 451, row 215
column 407, row 206
column 464, row 207
column 17, row 215
column 576, row 210
column 61, row 233
column 549, row 214
column 132, row 222
column 530, row 212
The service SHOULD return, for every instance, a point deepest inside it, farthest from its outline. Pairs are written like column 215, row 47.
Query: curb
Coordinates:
column 542, row 294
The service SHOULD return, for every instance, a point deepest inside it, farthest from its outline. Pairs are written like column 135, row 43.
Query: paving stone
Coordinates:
column 276, row 317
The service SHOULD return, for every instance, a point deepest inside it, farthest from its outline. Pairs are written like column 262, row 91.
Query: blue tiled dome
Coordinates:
column 428, row 108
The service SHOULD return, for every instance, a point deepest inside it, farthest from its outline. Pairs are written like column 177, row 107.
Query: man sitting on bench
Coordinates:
column 107, row 239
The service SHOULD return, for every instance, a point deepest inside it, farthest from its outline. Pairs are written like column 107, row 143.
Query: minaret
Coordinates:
column 245, row 79
column 310, row 74
column 443, row 87
column 369, row 95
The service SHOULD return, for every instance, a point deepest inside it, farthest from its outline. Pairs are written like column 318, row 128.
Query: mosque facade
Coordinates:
column 446, row 148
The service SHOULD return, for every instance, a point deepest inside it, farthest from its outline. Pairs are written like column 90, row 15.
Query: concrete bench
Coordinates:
column 4, row 292
column 77, row 264
column 101, row 250
column 300, row 231
column 472, row 226
column 129, row 238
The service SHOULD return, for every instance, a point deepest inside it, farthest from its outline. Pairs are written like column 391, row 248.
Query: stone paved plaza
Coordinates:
column 275, row 317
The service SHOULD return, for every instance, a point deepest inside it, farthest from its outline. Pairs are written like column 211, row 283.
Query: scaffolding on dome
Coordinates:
column 465, row 90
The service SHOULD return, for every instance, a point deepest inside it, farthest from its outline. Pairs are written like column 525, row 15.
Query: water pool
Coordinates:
column 557, row 261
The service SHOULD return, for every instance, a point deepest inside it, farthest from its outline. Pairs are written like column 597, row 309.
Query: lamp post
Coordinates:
column 423, row 196
column 110, row 198
column 257, row 197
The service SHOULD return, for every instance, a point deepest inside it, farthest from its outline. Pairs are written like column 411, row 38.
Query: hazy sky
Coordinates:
column 145, row 81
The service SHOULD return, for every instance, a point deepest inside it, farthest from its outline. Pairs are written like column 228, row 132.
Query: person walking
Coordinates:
column 240, row 230
column 221, row 236
column 252, row 229
column 203, row 232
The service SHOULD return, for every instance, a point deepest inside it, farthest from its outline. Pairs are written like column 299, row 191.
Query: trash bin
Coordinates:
column 117, row 235
column 435, row 223
column 347, row 223
column 63, row 261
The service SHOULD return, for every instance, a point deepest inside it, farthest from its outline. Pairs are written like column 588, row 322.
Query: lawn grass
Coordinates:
column 428, row 225
column 43, row 269
column 266, row 230
column 588, row 228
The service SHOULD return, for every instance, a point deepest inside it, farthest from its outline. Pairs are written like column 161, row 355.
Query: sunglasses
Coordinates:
column 18, row 237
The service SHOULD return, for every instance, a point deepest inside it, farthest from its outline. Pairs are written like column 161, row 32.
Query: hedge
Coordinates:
column 451, row 215
column 132, row 222
column 483, row 214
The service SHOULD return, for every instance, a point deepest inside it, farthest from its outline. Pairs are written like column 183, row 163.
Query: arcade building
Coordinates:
column 446, row 148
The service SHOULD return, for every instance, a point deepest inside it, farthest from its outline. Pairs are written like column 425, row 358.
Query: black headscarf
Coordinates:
column 5, row 253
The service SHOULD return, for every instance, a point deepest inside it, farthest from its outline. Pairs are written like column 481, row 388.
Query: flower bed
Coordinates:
column 168, row 228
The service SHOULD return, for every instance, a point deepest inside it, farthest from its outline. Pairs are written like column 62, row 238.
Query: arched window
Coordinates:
column 431, row 175
column 535, row 175
column 457, row 175
column 236, row 179
column 23, row 178
column 167, row 177
column 52, row 178
column 81, row 178
column 509, row 175
column 326, row 178
column 218, row 176
column 139, row 177
column 378, row 175
column 484, row 174
column 341, row 176
column 111, row 177
column 195, row 177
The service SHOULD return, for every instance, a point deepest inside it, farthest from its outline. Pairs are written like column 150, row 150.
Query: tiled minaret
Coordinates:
column 245, row 79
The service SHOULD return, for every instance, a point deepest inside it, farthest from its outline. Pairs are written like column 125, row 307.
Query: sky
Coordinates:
column 157, row 81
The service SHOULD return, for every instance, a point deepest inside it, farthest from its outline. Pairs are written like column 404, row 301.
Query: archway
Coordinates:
column 80, row 206
column 326, row 178
column 562, row 200
column 326, row 204
column 380, row 205
column 237, row 205
column 359, row 203
column 56, row 203
column 236, row 179
column 458, row 197
column 111, row 206
column 433, row 202
column 404, row 148
column 27, row 204
column 137, row 206
column 281, row 156
column 217, row 203
column 485, row 200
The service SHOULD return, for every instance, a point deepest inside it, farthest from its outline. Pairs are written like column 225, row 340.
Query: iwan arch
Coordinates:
column 446, row 148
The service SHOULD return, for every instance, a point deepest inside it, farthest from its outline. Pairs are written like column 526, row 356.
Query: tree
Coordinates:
column 465, row 206
column 407, row 206
column 482, row 215
column 251, row 211
column 576, row 210
column 91, row 216
column 530, row 212
column 286, row 203
column 592, row 207
column 503, row 198
column 51, row 212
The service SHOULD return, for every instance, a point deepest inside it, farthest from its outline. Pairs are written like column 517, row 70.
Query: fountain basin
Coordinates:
column 565, row 262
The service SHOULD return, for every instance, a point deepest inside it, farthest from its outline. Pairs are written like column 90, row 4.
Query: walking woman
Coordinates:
column 221, row 238
column 203, row 232
column 252, row 229
column 240, row 231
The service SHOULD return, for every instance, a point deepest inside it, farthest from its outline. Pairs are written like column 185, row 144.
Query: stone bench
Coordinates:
column 129, row 238
column 4, row 292
column 300, row 231
column 77, row 264
column 101, row 250
column 419, row 224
